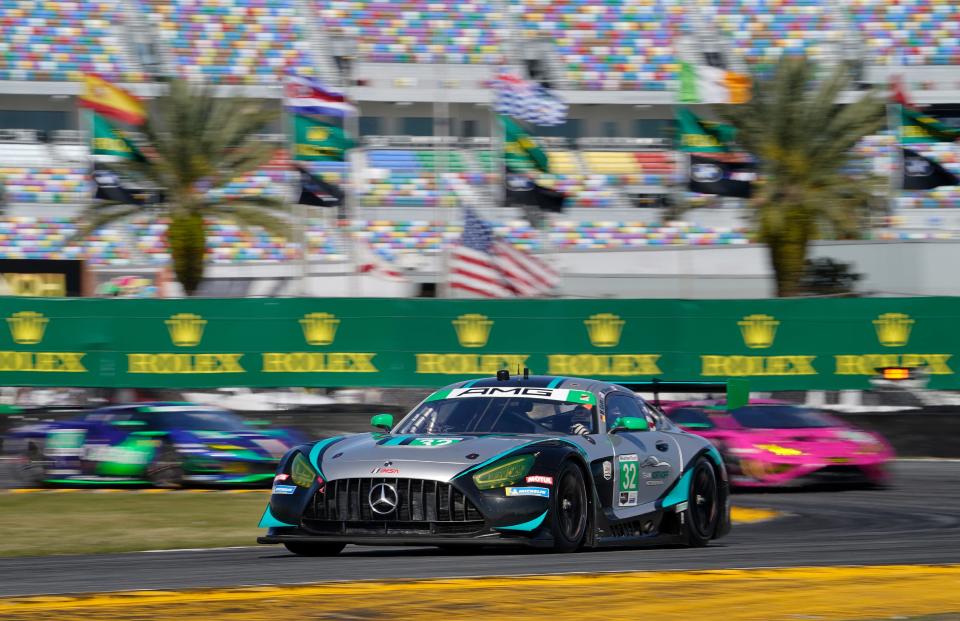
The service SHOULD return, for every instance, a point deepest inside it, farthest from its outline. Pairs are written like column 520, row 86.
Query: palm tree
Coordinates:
column 803, row 139
column 193, row 143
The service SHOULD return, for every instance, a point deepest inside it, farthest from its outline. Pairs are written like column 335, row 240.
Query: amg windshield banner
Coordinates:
column 806, row 344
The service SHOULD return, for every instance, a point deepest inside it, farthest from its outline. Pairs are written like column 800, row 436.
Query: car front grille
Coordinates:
column 421, row 507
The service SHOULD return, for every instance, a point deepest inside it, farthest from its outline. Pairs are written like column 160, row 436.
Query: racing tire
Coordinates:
column 314, row 549
column 569, row 509
column 31, row 469
column 702, row 514
column 166, row 469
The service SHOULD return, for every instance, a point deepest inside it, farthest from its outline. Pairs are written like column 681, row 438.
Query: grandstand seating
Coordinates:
column 62, row 39
column 409, row 178
column 632, row 168
column 232, row 41
column 35, row 184
column 908, row 32
column 764, row 29
column 610, row 45
column 47, row 238
column 419, row 31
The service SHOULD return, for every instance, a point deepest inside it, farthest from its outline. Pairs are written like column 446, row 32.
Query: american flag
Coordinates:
column 482, row 264
column 528, row 101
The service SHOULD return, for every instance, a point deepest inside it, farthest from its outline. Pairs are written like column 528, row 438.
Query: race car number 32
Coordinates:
column 629, row 480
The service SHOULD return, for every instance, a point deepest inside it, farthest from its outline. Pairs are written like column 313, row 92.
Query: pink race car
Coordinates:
column 775, row 444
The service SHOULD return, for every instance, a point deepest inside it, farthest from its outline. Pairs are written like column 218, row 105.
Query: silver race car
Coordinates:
column 555, row 462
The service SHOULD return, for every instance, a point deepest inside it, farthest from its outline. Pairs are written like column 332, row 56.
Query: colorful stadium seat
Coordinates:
column 232, row 41
column 63, row 39
column 419, row 31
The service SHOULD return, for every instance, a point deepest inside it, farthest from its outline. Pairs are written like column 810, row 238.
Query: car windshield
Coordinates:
column 781, row 417
column 497, row 415
column 197, row 420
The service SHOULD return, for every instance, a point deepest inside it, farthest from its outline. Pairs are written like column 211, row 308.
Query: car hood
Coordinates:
column 416, row 456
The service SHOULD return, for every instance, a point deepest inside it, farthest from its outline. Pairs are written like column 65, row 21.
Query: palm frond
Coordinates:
column 98, row 215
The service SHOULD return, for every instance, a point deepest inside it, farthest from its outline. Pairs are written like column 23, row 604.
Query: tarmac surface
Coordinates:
column 915, row 521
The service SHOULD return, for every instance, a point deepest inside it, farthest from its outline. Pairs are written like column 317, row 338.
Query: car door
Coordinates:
column 645, row 462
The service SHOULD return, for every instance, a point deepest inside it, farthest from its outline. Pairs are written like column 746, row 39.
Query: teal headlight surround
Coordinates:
column 301, row 472
column 504, row 472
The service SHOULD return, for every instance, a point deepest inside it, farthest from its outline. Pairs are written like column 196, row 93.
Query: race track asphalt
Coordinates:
column 917, row 520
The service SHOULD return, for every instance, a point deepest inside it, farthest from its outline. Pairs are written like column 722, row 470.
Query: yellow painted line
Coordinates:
column 824, row 593
column 749, row 515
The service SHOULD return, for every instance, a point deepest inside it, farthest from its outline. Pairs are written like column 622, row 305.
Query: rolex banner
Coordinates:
column 924, row 173
column 520, row 150
column 697, row 135
column 111, row 140
column 807, row 344
column 917, row 127
column 712, row 176
column 318, row 141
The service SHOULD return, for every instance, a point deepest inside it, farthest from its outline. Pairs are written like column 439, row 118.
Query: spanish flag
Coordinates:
column 111, row 100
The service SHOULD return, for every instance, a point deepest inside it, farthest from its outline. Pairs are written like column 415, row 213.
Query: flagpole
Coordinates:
column 287, row 121
column 351, row 125
column 896, row 158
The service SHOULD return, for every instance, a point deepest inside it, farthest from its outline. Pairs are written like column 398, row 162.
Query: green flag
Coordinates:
column 110, row 140
column 917, row 127
column 701, row 136
column 318, row 141
column 520, row 150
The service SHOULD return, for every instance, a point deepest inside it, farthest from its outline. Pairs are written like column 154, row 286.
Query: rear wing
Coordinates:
column 737, row 391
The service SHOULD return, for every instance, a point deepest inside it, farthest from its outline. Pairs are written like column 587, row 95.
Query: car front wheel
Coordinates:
column 568, row 509
column 703, row 505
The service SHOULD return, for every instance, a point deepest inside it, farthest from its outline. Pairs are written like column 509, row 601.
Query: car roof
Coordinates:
column 543, row 381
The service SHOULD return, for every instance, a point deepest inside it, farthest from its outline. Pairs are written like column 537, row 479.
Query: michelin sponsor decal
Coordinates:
column 542, row 492
column 284, row 490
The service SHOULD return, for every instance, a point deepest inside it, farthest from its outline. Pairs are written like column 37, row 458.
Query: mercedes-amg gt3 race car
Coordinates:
column 555, row 462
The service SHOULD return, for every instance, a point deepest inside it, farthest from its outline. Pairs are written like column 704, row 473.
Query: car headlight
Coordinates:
column 504, row 472
column 302, row 472
column 781, row 451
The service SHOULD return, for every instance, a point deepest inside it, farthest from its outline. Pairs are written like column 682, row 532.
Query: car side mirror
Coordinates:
column 630, row 423
column 382, row 421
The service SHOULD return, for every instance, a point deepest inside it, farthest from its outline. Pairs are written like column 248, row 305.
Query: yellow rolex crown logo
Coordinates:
column 317, row 134
column 473, row 329
column 186, row 329
column 893, row 329
column 319, row 328
column 27, row 327
column 604, row 329
column 758, row 330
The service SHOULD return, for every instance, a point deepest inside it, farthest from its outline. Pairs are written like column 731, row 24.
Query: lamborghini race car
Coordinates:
column 163, row 444
column 554, row 462
column 774, row 444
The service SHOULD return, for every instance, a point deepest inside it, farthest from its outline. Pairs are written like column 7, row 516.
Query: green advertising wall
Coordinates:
column 187, row 343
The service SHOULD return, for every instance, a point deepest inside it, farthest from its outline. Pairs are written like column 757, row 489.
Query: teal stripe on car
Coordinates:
column 318, row 449
column 268, row 521
column 680, row 492
column 395, row 440
column 528, row 526
column 556, row 382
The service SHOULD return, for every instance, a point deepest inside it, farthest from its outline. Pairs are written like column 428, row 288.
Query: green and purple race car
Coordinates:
column 160, row 444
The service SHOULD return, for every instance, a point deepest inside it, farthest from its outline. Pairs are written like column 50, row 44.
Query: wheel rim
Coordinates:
column 704, row 501
column 571, row 505
column 165, row 470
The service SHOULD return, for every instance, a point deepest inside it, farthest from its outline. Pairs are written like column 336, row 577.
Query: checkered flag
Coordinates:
column 528, row 101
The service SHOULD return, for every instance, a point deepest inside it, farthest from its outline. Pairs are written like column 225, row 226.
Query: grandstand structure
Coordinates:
column 420, row 71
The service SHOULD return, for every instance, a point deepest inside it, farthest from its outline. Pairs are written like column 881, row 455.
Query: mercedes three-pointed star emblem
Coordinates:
column 383, row 498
